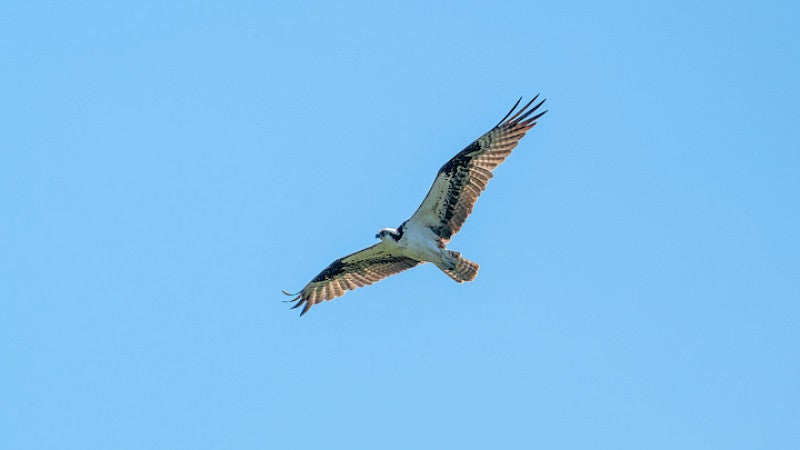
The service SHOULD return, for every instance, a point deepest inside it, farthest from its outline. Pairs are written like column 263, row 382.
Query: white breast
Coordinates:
column 420, row 243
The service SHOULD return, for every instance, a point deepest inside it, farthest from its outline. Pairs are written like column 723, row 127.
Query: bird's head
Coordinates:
column 387, row 233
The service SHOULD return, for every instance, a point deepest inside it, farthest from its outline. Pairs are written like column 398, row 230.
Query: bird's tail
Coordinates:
column 462, row 268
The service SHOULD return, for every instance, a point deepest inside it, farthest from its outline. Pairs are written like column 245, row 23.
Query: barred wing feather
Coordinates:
column 353, row 271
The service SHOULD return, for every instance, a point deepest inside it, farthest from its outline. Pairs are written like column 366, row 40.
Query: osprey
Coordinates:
column 423, row 237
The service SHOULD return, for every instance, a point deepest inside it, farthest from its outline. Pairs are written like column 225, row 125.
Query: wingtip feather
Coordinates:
column 515, row 115
column 509, row 112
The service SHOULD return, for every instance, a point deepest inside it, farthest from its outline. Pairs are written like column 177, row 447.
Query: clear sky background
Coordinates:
column 166, row 169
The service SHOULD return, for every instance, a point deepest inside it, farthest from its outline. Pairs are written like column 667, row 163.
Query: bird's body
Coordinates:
column 424, row 237
column 420, row 243
column 415, row 242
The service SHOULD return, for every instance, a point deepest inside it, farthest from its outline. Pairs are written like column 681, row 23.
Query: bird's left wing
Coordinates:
column 462, row 179
column 356, row 270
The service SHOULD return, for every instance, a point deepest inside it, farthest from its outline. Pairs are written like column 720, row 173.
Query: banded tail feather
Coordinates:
column 464, row 269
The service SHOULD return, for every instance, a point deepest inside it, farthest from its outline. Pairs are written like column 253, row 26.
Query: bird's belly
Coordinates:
column 420, row 245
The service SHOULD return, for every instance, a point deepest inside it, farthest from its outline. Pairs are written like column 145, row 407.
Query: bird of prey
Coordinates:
column 423, row 237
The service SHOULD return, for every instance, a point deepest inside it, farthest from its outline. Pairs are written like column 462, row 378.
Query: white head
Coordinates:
column 390, row 234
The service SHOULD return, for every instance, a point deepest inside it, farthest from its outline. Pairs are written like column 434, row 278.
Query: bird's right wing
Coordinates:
column 356, row 270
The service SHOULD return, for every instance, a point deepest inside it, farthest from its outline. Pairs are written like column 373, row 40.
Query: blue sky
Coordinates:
column 166, row 169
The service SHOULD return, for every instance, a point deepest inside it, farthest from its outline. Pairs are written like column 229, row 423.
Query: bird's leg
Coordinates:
column 447, row 258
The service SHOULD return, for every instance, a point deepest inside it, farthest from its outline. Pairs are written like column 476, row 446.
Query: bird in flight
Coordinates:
column 424, row 237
